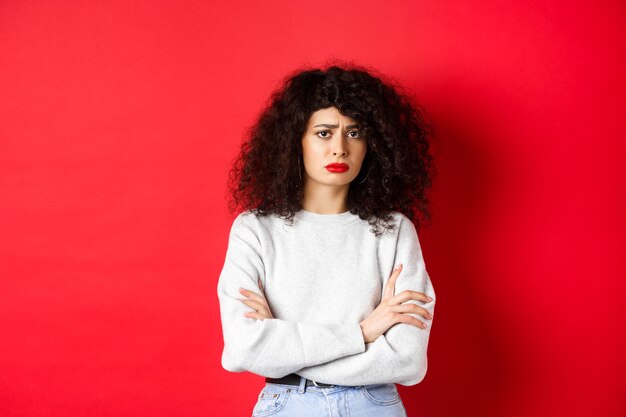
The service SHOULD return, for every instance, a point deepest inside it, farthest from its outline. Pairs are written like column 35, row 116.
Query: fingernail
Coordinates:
column 242, row 290
column 428, row 298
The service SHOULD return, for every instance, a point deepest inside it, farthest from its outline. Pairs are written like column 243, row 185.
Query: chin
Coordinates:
column 335, row 183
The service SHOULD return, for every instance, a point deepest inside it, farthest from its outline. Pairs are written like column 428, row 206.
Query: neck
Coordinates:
column 325, row 199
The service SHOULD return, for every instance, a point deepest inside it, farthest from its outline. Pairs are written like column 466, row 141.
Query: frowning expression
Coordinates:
column 333, row 148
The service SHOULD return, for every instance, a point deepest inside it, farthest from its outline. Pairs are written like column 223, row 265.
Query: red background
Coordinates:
column 119, row 121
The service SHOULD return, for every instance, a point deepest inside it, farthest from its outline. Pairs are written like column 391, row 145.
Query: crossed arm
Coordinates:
column 255, row 341
column 397, row 356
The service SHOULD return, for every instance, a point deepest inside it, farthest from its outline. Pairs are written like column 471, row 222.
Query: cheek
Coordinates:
column 362, row 151
column 312, row 153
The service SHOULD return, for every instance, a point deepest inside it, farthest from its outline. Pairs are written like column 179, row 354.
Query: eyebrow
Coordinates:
column 335, row 126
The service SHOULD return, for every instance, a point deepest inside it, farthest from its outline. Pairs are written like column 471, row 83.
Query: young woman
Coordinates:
column 324, row 290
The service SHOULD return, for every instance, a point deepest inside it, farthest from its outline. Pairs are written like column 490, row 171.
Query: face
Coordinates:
column 332, row 138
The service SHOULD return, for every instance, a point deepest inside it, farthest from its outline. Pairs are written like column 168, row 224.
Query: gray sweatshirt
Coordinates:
column 321, row 276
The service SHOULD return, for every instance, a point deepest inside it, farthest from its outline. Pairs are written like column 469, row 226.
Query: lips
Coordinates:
column 337, row 167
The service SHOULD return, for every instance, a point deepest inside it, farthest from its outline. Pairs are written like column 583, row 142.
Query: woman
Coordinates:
column 328, row 184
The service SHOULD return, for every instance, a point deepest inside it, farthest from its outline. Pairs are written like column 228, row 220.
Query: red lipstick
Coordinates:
column 337, row 167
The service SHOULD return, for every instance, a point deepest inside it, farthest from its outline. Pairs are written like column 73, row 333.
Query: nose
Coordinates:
column 339, row 147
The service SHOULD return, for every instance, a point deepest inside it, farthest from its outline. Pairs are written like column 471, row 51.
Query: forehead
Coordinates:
column 329, row 115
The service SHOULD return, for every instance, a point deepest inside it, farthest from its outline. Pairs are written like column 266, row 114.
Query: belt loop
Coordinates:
column 302, row 386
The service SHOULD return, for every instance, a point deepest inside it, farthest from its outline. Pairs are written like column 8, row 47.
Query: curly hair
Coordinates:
column 398, row 167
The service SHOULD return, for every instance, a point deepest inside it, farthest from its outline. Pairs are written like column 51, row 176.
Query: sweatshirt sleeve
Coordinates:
column 273, row 347
column 399, row 355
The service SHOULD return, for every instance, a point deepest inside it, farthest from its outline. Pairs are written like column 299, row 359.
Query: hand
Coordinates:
column 258, row 302
column 391, row 310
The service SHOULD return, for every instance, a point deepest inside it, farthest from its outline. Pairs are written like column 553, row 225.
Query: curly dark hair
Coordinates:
column 264, row 177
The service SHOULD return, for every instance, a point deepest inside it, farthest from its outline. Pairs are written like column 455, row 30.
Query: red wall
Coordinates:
column 118, row 122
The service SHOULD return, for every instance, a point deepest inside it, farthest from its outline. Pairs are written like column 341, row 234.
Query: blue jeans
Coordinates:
column 380, row 400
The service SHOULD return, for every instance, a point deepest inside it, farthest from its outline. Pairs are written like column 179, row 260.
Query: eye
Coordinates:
column 323, row 131
column 357, row 133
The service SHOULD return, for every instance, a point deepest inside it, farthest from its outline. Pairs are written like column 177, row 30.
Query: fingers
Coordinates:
column 405, row 318
column 260, row 308
column 255, row 315
column 252, row 303
column 256, row 302
column 391, row 282
column 407, row 295
column 252, row 295
column 413, row 309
